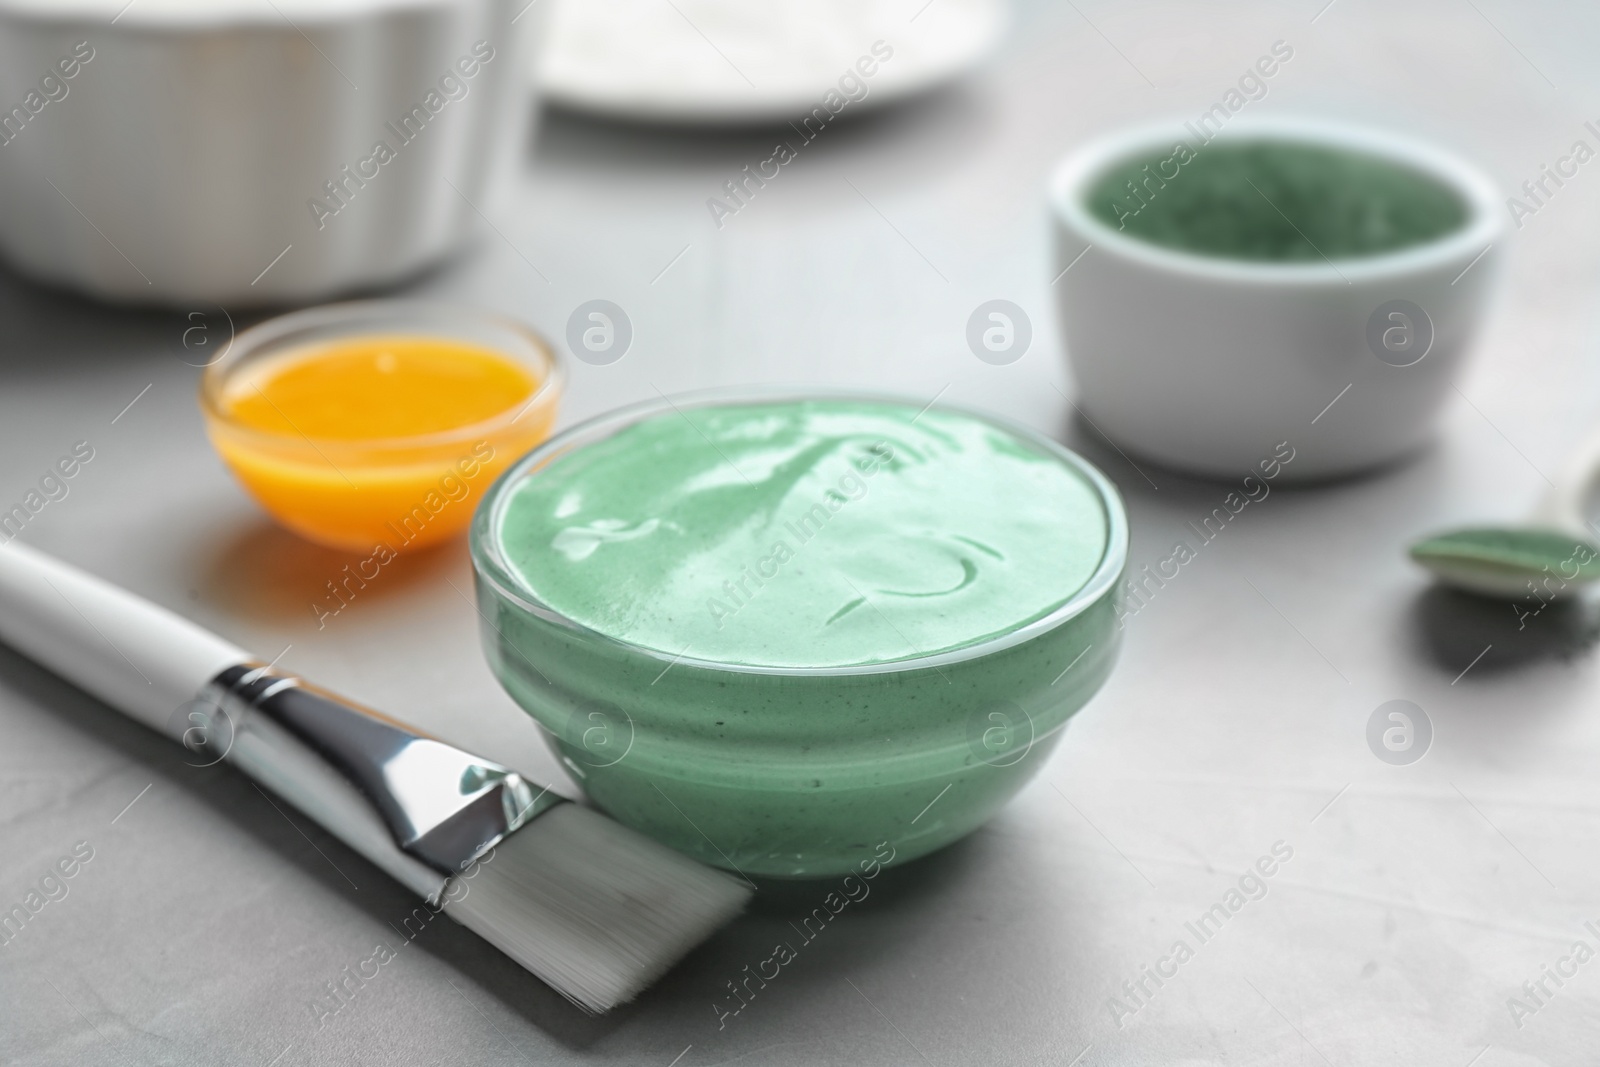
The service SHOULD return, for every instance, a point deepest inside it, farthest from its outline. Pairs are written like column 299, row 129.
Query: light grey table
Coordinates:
column 1418, row 898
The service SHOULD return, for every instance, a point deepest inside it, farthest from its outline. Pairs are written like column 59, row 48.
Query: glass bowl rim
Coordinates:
column 269, row 331
column 492, row 568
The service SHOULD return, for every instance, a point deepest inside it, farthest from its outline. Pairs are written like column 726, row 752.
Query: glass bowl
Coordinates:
column 396, row 493
column 795, row 772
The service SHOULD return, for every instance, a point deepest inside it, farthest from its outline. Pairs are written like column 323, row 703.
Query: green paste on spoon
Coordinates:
column 1511, row 561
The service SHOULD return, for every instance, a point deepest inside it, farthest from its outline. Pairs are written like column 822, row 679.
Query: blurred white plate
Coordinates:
column 745, row 61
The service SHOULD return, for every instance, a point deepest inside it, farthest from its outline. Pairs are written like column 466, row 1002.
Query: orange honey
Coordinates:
column 377, row 441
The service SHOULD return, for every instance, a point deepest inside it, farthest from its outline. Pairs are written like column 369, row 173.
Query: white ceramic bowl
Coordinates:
column 184, row 158
column 780, row 60
column 1205, row 364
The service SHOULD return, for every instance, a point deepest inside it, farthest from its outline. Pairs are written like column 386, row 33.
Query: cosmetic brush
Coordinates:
column 592, row 908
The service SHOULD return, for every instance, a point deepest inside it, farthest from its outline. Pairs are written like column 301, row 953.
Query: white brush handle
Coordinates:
column 139, row 658
column 152, row 665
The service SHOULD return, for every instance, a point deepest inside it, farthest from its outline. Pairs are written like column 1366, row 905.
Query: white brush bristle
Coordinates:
column 592, row 908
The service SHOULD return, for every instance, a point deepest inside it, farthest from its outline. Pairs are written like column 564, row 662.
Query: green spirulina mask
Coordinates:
column 771, row 631
column 1275, row 201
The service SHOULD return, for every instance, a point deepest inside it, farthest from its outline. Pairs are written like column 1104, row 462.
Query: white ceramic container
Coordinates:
column 177, row 151
column 1206, row 364
column 806, row 60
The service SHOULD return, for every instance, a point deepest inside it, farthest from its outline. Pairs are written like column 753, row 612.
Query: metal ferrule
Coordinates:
column 421, row 809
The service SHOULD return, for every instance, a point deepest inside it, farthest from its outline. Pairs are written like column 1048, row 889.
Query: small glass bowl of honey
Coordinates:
column 375, row 426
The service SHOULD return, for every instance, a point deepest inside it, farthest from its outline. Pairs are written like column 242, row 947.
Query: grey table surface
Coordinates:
column 1418, row 898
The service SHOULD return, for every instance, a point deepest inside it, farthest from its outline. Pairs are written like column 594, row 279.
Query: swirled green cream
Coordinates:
column 808, row 533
